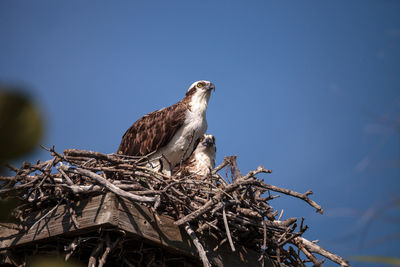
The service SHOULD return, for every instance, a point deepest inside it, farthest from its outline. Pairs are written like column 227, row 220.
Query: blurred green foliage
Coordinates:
column 21, row 128
column 378, row 259
column 21, row 124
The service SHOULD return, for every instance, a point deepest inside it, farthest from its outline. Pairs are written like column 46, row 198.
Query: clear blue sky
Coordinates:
column 309, row 89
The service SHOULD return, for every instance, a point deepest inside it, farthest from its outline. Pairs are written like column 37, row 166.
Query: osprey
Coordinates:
column 202, row 161
column 170, row 134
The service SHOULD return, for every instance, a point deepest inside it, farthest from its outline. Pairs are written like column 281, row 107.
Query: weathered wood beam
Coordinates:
column 136, row 220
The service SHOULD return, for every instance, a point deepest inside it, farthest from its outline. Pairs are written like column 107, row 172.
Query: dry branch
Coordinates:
column 198, row 245
column 116, row 190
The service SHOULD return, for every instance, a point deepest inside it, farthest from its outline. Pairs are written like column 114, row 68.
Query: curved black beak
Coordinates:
column 211, row 87
column 208, row 142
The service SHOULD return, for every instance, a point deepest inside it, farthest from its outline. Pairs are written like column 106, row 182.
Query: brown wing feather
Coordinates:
column 153, row 130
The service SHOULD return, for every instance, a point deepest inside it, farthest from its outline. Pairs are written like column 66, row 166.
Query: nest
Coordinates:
column 234, row 208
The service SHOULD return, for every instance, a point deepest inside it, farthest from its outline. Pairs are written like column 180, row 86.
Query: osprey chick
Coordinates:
column 170, row 133
column 202, row 161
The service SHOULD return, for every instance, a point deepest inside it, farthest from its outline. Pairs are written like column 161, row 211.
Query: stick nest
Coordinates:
column 234, row 208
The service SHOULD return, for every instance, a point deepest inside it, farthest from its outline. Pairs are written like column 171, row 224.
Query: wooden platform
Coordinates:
column 138, row 221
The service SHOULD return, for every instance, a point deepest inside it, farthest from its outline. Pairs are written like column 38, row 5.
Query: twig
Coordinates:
column 297, row 258
column 264, row 246
column 96, row 250
column 71, row 247
column 73, row 217
column 103, row 258
column 198, row 245
column 310, row 256
column 314, row 248
column 109, row 185
column 303, row 196
column 44, row 216
column 228, row 233
column 66, row 177
column 280, row 215
column 11, row 167
column 220, row 167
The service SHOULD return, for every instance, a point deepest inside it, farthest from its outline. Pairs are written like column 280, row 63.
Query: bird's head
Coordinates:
column 201, row 88
column 198, row 95
column 207, row 143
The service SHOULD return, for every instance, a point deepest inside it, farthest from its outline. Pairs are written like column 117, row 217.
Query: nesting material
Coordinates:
column 230, row 207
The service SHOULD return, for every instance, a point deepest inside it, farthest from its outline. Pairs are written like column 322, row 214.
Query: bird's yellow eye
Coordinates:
column 200, row 85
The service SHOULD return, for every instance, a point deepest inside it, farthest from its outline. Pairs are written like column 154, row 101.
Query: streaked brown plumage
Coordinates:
column 170, row 132
column 142, row 138
column 144, row 135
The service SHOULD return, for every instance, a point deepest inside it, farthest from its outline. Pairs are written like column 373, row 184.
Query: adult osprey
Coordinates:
column 170, row 133
column 202, row 160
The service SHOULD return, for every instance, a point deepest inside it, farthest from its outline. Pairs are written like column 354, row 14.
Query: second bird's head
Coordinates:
column 207, row 143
